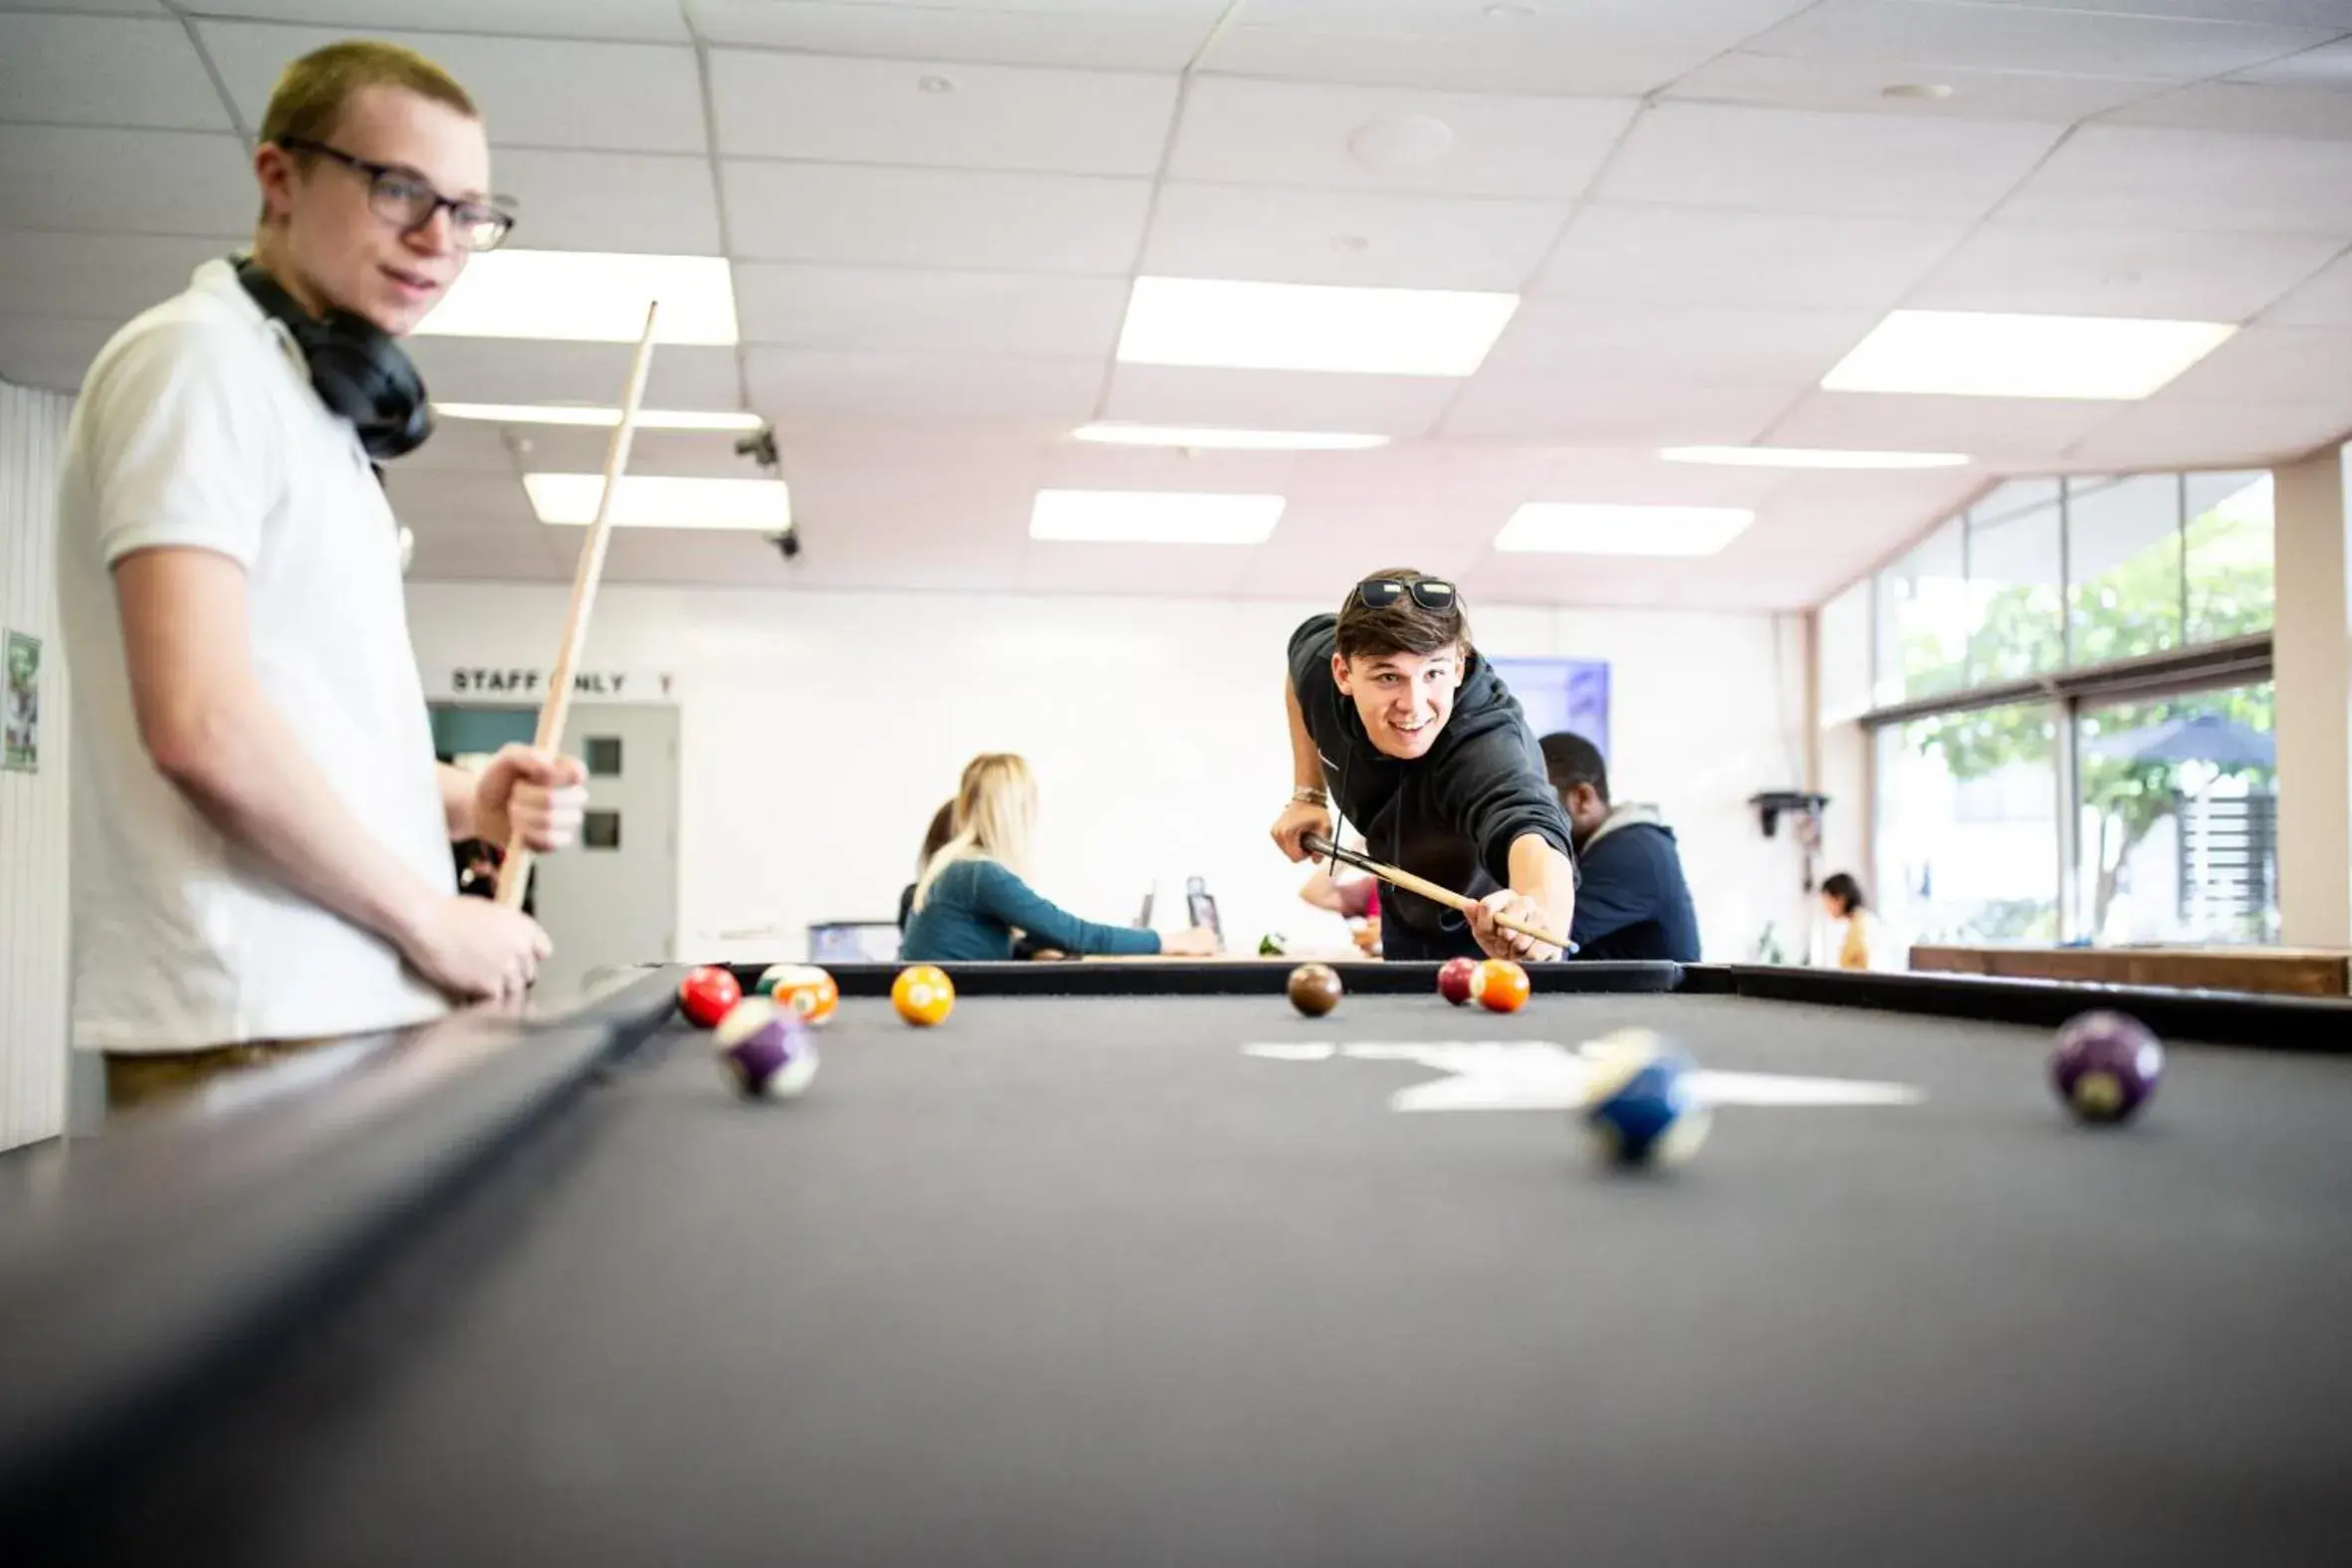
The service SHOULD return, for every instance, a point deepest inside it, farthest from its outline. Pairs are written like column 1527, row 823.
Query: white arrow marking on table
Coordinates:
column 1539, row 1075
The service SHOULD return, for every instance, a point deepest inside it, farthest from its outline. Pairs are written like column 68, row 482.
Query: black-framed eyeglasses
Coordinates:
column 406, row 198
column 1430, row 594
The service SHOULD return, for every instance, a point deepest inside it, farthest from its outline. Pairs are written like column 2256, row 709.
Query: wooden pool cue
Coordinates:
column 1316, row 844
column 514, row 873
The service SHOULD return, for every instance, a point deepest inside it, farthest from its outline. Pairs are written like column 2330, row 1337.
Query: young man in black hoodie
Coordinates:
column 1394, row 716
column 1632, row 902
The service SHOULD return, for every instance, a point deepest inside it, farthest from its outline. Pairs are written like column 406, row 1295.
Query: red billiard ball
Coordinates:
column 1500, row 985
column 706, row 995
column 1452, row 980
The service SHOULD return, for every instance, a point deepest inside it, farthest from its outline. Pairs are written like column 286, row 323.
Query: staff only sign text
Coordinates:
column 512, row 683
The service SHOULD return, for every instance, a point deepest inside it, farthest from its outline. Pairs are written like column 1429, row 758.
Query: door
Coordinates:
column 614, row 898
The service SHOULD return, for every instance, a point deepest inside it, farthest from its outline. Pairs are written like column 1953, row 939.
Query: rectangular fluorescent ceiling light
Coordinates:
column 1228, row 440
column 581, row 414
column 587, row 297
column 762, row 506
column 1971, row 353
column 1153, row 517
column 1570, row 529
column 1808, row 457
column 1304, row 326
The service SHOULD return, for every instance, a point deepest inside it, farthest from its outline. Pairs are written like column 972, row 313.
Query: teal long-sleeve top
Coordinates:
column 974, row 906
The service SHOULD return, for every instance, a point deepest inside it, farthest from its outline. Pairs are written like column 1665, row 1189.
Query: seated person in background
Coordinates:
column 1852, row 937
column 1632, row 902
column 970, row 900
column 1357, row 900
column 943, row 828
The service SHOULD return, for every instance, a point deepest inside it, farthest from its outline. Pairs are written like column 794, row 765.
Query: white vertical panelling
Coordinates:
column 33, row 922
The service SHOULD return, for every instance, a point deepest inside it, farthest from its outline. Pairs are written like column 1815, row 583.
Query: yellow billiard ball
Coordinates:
column 923, row 995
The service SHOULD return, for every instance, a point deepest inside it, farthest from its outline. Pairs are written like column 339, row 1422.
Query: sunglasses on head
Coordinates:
column 1428, row 593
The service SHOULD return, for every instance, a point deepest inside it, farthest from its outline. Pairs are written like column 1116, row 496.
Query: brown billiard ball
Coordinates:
column 1315, row 989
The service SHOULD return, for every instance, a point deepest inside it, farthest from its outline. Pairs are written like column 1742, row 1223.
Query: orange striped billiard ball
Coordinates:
column 923, row 995
column 1500, row 985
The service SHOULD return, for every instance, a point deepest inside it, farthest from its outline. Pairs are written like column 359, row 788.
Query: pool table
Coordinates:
column 1131, row 1264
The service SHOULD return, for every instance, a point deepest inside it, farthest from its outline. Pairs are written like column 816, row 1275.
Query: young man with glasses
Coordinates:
column 261, row 829
column 1396, row 719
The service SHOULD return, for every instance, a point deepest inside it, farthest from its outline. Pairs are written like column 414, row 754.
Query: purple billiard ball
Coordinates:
column 2106, row 1065
column 764, row 1050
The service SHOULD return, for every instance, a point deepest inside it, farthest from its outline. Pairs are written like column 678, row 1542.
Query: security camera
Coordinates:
column 787, row 544
column 760, row 447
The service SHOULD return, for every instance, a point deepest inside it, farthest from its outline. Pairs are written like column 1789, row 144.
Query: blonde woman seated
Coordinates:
column 971, row 900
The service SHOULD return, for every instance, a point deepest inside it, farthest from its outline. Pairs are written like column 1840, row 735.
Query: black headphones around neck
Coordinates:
column 358, row 371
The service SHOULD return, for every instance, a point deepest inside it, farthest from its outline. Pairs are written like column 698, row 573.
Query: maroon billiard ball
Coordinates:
column 1452, row 980
column 1315, row 989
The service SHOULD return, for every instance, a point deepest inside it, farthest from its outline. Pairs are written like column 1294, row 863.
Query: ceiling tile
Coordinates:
column 97, row 276
column 1702, row 256
column 2325, row 301
column 1998, row 430
column 533, row 93
column 2170, row 433
column 1713, row 155
column 609, row 201
column 696, row 559
column 1063, row 567
column 49, row 351
column 1594, row 48
column 1131, row 35
column 934, row 218
column 2328, row 66
column 1931, row 33
column 2165, row 273
column 428, row 498
column 513, row 371
column 1703, row 344
column 2313, row 13
column 894, row 309
column 1790, row 83
column 126, row 182
column 2184, row 179
column 834, row 109
column 104, row 71
column 1597, row 411
column 647, row 20
column 1358, row 238
column 2312, row 113
column 92, row 7
column 1159, row 394
column 2311, row 365
column 455, row 552
column 1240, row 131
column 789, row 384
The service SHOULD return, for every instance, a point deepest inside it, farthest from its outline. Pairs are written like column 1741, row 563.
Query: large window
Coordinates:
column 2073, row 736
column 2178, row 833
column 1968, row 826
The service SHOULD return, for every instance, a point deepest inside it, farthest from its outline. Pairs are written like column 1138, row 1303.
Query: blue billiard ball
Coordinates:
column 1641, row 1103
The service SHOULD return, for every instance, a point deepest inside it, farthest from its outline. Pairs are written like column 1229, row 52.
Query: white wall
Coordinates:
column 32, row 930
column 819, row 730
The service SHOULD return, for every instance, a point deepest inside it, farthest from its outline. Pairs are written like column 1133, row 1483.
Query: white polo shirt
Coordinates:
column 197, row 426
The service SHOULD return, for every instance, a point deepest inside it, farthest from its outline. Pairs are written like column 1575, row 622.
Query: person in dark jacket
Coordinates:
column 1395, row 718
column 1632, row 902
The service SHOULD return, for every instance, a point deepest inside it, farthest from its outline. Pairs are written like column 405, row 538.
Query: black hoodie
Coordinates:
column 1449, row 817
